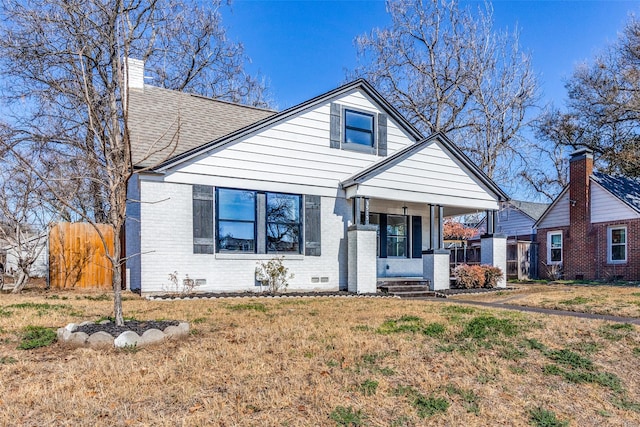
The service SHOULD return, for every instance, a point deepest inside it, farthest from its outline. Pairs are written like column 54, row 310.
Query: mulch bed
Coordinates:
column 139, row 327
column 205, row 295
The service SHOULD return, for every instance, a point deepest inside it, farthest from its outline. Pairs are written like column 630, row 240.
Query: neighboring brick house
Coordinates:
column 341, row 185
column 592, row 229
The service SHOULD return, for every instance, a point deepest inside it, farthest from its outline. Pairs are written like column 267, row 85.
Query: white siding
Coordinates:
column 430, row 175
column 167, row 246
column 606, row 207
column 558, row 215
column 294, row 153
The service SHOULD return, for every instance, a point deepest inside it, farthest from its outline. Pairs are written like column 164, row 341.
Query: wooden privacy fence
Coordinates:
column 77, row 256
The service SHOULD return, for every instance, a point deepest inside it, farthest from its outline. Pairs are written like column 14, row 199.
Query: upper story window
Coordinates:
column 358, row 128
column 617, row 244
column 362, row 131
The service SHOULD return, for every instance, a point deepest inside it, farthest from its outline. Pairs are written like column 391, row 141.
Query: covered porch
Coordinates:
column 399, row 206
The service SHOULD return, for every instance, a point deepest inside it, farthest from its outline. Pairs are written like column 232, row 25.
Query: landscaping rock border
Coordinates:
column 73, row 335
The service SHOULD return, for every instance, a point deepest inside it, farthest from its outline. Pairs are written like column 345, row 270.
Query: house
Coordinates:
column 342, row 186
column 592, row 229
column 516, row 220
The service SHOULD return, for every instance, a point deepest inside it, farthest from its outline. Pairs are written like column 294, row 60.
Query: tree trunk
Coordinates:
column 20, row 282
column 117, row 280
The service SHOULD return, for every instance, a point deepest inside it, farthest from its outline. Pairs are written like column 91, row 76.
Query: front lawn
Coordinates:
column 598, row 299
column 321, row 362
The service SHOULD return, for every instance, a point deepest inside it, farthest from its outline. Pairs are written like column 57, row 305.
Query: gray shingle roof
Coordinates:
column 624, row 188
column 156, row 115
column 532, row 209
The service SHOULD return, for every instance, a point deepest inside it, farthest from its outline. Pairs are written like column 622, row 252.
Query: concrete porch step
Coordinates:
column 406, row 288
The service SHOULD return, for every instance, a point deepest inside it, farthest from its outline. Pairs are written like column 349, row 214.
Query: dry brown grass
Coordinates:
column 613, row 300
column 293, row 361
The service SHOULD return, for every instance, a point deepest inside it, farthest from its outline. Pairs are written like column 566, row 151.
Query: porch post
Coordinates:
column 361, row 258
column 440, row 227
column 366, row 211
column 493, row 249
column 435, row 261
column 432, row 226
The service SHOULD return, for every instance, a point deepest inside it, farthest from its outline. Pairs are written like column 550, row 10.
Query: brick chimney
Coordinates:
column 579, row 253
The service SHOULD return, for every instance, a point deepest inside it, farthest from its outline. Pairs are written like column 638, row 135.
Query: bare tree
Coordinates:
column 549, row 174
column 447, row 70
column 603, row 106
column 24, row 220
column 65, row 78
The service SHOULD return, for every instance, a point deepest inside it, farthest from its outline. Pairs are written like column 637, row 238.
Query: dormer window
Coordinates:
column 358, row 128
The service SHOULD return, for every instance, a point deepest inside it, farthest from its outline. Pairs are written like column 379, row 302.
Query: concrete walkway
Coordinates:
column 618, row 319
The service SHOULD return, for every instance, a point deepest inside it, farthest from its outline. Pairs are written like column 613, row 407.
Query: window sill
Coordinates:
column 609, row 262
column 249, row 256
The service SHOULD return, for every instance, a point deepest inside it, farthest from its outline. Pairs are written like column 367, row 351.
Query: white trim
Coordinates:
column 549, row 234
column 610, row 259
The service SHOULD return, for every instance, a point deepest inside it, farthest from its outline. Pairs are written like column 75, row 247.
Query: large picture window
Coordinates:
column 554, row 247
column 236, row 213
column 283, row 222
column 617, row 244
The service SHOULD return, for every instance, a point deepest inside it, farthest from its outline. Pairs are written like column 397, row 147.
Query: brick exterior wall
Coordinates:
column 585, row 245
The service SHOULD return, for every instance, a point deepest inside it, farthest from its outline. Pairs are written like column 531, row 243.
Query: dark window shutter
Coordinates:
column 335, row 126
column 202, row 219
column 312, row 229
column 416, row 236
column 382, row 134
column 383, row 235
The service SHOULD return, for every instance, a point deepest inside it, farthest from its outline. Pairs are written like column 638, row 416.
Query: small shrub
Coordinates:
column 36, row 336
column 469, row 276
column 182, row 287
column 492, row 275
column 273, row 274
column 477, row 276
column 543, row 418
column 347, row 416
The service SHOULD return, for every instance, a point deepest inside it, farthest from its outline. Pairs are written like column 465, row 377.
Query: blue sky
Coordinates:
column 304, row 47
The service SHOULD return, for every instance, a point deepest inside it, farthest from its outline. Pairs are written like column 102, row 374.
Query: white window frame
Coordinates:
column 610, row 244
column 549, row 234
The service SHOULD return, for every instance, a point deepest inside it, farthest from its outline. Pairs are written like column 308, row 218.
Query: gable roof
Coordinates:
column 406, row 152
column 360, row 84
column 624, row 188
column 164, row 123
column 533, row 210
column 551, row 206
